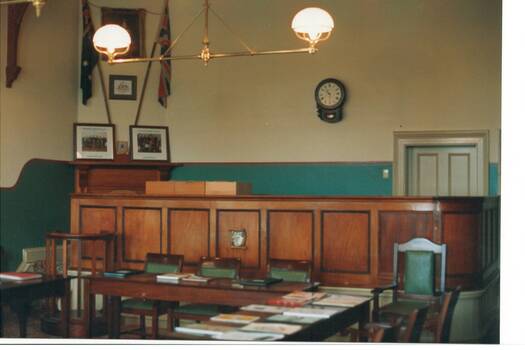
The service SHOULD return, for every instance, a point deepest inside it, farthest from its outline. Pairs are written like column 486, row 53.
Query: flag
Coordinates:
column 164, row 42
column 89, row 55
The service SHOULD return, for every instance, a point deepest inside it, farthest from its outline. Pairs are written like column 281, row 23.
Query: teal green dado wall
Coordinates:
column 37, row 204
column 297, row 179
column 352, row 179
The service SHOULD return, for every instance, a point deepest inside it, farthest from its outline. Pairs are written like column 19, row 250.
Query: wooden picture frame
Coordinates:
column 133, row 21
column 94, row 141
column 149, row 143
column 123, row 87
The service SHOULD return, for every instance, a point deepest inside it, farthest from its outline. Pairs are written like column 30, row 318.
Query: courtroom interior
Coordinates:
column 233, row 170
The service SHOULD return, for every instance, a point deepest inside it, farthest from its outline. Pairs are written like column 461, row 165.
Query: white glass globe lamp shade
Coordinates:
column 313, row 24
column 112, row 40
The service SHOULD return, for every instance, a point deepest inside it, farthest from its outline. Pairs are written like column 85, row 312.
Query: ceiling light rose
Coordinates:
column 112, row 40
column 313, row 25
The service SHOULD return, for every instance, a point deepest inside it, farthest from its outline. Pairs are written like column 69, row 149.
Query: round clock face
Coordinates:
column 330, row 94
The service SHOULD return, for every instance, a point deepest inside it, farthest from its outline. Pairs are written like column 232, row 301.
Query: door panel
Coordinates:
column 442, row 171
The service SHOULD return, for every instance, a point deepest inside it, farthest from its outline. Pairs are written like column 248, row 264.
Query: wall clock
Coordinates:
column 330, row 96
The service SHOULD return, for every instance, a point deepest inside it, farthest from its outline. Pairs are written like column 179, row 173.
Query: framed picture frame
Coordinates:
column 133, row 21
column 94, row 141
column 123, row 87
column 149, row 143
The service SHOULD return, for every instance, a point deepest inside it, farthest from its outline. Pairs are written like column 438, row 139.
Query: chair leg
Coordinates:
column 172, row 321
column 155, row 325
column 142, row 326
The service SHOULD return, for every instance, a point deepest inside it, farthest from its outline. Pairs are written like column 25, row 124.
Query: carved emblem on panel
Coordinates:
column 238, row 238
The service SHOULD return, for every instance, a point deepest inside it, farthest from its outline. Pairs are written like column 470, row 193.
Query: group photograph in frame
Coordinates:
column 94, row 141
column 149, row 143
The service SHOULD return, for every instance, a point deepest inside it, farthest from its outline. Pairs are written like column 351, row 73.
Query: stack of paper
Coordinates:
column 304, row 296
column 19, row 276
column 280, row 328
column 204, row 329
column 341, row 300
column 312, row 312
column 265, row 308
column 248, row 336
column 234, row 318
column 172, row 277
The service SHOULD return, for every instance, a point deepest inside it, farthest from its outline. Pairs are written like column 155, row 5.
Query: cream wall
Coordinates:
column 37, row 113
column 409, row 65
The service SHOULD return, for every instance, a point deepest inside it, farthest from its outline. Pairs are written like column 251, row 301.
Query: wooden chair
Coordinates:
column 414, row 327
column 155, row 263
column 440, row 324
column 290, row 270
column 418, row 280
column 213, row 267
column 379, row 333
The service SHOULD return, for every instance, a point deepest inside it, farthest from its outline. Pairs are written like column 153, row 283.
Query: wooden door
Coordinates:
column 443, row 171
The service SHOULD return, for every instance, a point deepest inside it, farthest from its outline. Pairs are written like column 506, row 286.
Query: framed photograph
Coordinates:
column 149, row 143
column 133, row 21
column 123, row 87
column 94, row 141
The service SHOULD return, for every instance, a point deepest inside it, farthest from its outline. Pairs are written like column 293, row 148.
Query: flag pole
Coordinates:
column 104, row 91
column 146, row 77
column 101, row 75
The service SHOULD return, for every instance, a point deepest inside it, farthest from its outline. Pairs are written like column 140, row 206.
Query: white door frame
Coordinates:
column 405, row 139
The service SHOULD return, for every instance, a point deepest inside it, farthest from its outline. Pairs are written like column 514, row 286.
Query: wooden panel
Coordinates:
column 290, row 234
column 95, row 219
column 460, row 233
column 345, row 242
column 141, row 233
column 248, row 220
column 189, row 234
column 400, row 227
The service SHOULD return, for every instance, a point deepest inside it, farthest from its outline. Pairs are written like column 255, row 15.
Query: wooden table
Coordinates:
column 20, row 294
column 216, row 291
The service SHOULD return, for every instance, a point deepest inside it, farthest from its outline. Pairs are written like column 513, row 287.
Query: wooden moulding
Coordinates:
column 228, row 188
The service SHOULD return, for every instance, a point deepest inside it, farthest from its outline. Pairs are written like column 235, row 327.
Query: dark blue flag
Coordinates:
column 89, row 54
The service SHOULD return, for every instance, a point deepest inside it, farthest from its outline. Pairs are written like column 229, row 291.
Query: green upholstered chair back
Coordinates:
column 290, row 270
column 163, row 263
column 419, row 270
column 220, row 267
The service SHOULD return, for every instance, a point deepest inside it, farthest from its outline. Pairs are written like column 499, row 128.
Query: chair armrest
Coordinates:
column 379, row 290
column 375, row 303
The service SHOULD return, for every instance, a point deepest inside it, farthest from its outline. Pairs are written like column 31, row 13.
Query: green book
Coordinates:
column 121, row 273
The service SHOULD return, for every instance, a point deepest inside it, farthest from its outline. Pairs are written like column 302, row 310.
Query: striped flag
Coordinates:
column 164, row 42
column 89, row 56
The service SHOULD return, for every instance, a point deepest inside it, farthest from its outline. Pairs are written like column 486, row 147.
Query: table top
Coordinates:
column 11, row 284
column 214, row 283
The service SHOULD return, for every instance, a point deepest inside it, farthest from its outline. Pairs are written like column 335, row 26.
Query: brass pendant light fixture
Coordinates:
column 312, row 25
column 37, row 4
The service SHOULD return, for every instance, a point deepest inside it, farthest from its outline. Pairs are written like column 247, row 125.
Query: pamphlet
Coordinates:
column 248, row 336
column 265, row 308
column 234, row 318
column 312, row 312
column 19, row 276
column 341, row 300
column 280, row 328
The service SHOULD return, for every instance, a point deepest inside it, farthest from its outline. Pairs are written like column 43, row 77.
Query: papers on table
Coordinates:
column 280, row 328
column 291, row 319
column 176, row 277
column 312, row 312
column 265, row 308
column 341, row 300
column 204, row 329
column 19, row 276
column 248, row 336
column 234, row 318
column 304, row 296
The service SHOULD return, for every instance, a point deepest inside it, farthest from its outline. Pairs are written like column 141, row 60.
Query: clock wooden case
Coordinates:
column 330, row 96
